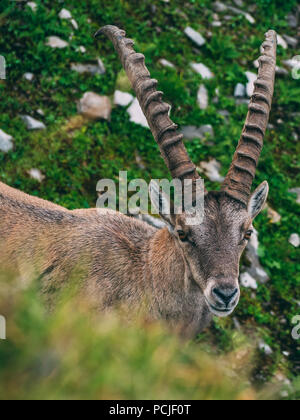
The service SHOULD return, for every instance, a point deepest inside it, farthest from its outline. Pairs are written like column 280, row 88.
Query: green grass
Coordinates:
column 74, row 158
column 74, row 354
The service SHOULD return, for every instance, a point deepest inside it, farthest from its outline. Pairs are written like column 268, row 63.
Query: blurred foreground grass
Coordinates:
column 71, row 354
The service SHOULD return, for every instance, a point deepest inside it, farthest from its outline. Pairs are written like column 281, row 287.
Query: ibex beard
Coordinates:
column 186, row 272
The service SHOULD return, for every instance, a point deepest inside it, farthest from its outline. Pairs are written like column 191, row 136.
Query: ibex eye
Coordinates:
column 182, row 235
column 248, row 234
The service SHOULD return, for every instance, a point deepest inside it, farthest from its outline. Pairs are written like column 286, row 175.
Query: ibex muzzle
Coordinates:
column 185, row 273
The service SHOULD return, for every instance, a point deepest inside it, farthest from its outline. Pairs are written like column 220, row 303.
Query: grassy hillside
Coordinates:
column 74, row 154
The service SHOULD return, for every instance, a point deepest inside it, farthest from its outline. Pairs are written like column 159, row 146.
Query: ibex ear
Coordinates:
column 161, row 204
column 258, row 199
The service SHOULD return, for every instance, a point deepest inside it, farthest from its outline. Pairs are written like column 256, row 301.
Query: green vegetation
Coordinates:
column 49, row 357
column 74, row 354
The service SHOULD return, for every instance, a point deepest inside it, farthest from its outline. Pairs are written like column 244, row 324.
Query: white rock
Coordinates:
column 194, row 36
column 136, row 114
column 242, row 101
column 33, row 6
column 237, row 324
column 255, row 270
column 29, row 76
column 292, row 63
column 293, row 42
column 254, row 241
column 292, row 20
column 216, row 24
column 281, row 71
column 240, row 91
column 239, row 3
column 241, row 12
column 249, row 18
column 219, row 7
column 40, row 112
column 256, row 64
column 36, row 174
column 81, row 49
column 6, row 142
column 101, row 65
column 166, row 63
column 94, row 106
column 252, row 77
column 207, row 129
column 248, row 281
column 139, row 161
column 65, row 14
column 203, row 70
column 265, row 348
column 87, row 68
column 261, row 274
column 225, row 114
column 282, row 42
column 202, row 97
column 32, row 123
column 212, row 170
column 295, row 240
column 273, row 215
column 122, row 98
column 296, row 191
column 56, row 42
column 74, row 24
column 191, row 132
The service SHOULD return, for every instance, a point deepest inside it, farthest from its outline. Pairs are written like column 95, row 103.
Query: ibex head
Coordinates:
column 212, row 249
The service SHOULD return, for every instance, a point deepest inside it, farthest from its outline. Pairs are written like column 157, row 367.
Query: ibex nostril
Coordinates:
column 226, row 295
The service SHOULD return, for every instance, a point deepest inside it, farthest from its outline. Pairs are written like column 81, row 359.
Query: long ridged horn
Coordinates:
column 155, row 110
column 239, row 179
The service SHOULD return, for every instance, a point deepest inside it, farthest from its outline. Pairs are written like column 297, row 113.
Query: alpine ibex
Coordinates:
column 184, row 273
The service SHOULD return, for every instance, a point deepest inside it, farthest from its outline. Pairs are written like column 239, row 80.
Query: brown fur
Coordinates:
column 121, row 259
column 183, row 273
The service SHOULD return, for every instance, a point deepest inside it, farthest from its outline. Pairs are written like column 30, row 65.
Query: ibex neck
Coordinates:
column 166, row 257
column 167, row 268
column 175, row 295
